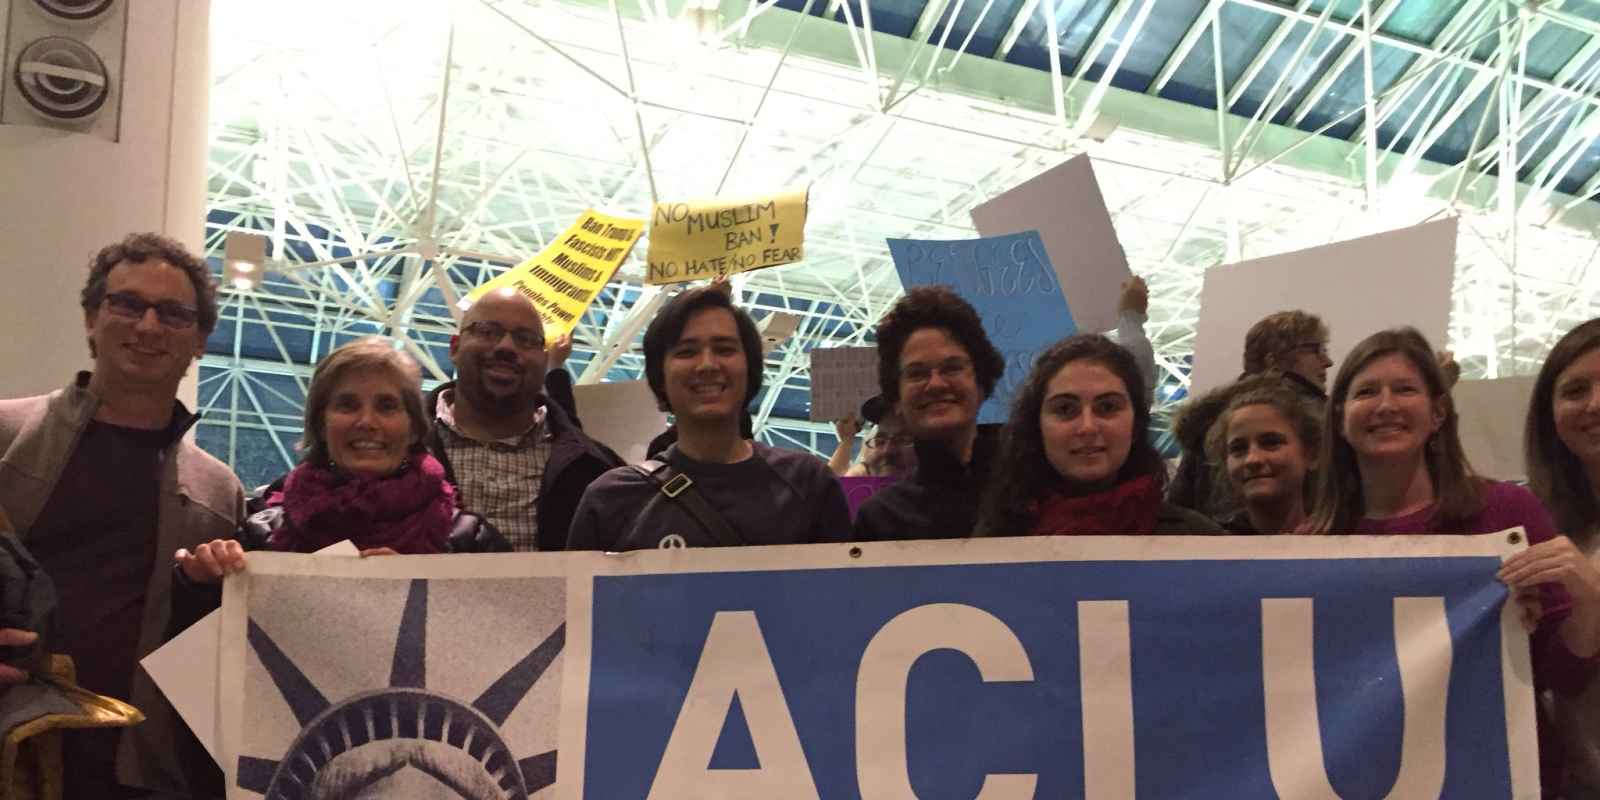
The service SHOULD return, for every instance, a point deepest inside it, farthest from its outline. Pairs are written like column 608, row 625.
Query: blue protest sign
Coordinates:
column 1210, row 673
column 1010, row 281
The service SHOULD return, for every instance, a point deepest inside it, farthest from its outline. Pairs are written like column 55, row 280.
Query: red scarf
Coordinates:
column 410, row 512
column 1130, row 508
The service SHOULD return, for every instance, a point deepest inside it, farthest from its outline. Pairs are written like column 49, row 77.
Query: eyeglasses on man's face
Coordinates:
column 950, row 369
column 898, row 440
column 1318, row 348
column 170, row 314
column 493, row 332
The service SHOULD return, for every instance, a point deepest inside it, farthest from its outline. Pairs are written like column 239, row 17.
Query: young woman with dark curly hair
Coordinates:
column 1076, row 456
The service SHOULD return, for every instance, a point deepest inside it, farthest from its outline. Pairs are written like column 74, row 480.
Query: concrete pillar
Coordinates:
column 65, row 191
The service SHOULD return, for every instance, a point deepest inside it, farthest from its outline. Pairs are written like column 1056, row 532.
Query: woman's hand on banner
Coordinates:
column 1559, row 562
column 212, row 561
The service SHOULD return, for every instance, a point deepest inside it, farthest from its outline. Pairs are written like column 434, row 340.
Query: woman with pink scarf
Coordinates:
column 366, row 475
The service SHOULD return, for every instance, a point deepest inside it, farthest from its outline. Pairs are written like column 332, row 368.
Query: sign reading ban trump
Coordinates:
column 1297, row 667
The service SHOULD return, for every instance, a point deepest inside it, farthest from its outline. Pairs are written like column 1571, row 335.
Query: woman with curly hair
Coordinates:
column 1076, row 456
column 936, row 366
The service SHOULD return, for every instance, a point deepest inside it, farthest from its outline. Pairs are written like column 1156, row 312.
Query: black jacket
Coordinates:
column 1195, row 485
column 940, row 501
column 469, row 533
column 575, row 459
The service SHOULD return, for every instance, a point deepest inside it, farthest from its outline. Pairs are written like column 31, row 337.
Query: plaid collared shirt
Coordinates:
column 499, row 479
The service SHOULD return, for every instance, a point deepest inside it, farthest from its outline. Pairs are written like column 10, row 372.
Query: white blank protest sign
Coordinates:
column 1358, row 288
column 842, row 378
column 185, row 668
column 1493, row 413
column 1065, row 206
column 621, row 415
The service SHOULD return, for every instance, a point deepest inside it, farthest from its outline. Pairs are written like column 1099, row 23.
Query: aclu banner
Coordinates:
column 1101, row 667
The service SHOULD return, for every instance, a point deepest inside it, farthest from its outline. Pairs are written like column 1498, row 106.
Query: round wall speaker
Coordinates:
column 62, row 79
column 75, row 10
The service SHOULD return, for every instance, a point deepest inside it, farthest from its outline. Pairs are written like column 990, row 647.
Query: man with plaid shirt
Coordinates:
column 506, row 433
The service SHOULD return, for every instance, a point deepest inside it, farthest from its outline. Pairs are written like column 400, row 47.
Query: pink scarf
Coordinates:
column 410, row 512
column 1129, row 508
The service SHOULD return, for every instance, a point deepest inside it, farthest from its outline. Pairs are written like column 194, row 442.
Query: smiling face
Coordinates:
column 1576, row 405
column 141, row 350
column 939, row 395
column 1086, row 423
column 705, row 369
column 1266, row 460
column 1388, row 412
column 499, row 355
column 366, row 426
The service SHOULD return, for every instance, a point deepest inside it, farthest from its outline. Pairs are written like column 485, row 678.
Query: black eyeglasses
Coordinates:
column 172, row 315
column 1319, row 348
column 898, row 440
column 492, row 332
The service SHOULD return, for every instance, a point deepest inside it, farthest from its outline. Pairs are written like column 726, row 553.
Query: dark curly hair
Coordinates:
column 935, row 307
column 1022, row 474
column 139, row 248
column 667, row 328
column 1555, row 473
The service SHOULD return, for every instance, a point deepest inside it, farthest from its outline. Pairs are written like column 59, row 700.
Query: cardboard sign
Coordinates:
column 621, row 415
column 563, row 279
column 1357, row 287
column 1008, row 279
column 842, row 378
column 1493, row 414
column 1065, row 206
column 701, row 239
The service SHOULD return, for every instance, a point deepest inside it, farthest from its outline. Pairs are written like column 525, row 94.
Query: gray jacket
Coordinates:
column 200, row 500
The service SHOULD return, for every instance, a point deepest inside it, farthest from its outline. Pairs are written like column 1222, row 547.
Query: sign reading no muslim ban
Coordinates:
column 702, row 239
column 1237, row 667
column 563, row 279
column 1010, row 282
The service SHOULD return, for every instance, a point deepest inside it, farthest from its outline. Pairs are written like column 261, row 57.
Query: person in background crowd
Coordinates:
column 936, row 361
column 506, row 431
column 888, row 452
column 1292, row 345
column 102, row 486
column 1392, row 463
column 1265, row 443
column 1076, row 456
column 365, row 474
column 1561, row 446
column 1133, row 308
column 1561, row 442
column 713, row 486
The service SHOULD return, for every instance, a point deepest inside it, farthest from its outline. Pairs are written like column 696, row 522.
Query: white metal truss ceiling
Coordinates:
column 393, row 149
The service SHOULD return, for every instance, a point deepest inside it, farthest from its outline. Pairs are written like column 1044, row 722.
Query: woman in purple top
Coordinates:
column 1562, row 447
column 1394, row 464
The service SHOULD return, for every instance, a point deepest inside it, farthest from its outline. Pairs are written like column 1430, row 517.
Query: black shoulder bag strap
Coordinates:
column 677, row 486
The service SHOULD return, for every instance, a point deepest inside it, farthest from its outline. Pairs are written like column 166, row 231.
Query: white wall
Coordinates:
column 66, row 195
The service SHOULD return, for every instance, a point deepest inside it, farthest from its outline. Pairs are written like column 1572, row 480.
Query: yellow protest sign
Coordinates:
column 706, row 238
column 563, row 279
